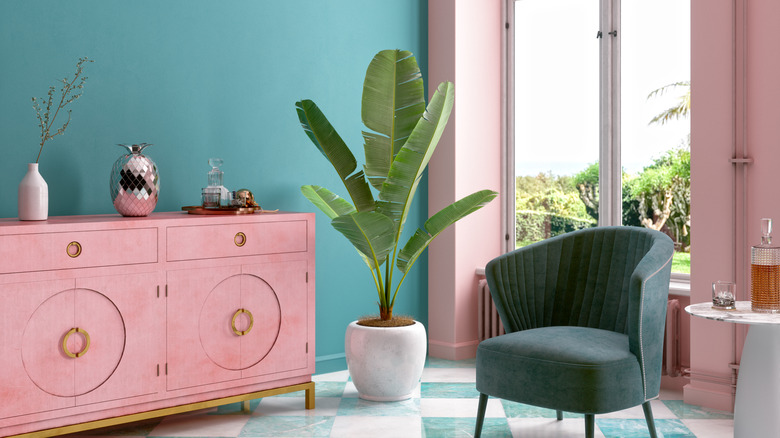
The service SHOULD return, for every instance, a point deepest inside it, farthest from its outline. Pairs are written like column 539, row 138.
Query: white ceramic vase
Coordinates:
column 33, row 195
column 385, row 363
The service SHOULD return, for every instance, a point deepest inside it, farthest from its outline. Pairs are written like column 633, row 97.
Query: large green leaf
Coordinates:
column 410, row 163
column 438, row 223
column 371, row 233
column 330, row 203
column 328, row 141
column 393, row 102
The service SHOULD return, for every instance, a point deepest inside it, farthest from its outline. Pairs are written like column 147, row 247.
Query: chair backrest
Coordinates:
column 580, row 278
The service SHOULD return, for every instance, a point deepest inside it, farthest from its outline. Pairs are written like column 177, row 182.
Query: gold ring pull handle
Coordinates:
column 73, row 249
column 240, row 239
column 65, row 342
column 251, row 322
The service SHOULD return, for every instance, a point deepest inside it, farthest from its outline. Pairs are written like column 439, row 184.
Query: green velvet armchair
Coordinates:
column 584, row 314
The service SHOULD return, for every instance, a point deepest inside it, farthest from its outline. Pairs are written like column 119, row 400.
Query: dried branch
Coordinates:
column 70, row 91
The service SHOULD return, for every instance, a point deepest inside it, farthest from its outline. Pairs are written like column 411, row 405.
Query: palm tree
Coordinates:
column 678, row 111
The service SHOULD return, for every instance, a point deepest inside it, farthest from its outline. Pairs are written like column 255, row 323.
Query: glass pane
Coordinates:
column 655, row 127
column 557, row 117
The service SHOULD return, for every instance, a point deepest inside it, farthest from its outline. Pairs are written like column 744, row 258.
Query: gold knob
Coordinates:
column 251, row 322
column 240, row 239
column 65, row 342
column 73, row 249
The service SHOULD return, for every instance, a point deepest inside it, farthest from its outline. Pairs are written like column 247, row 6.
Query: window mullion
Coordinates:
column 610, row 170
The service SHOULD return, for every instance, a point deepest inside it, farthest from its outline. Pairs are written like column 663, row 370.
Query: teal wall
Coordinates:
column 202, row 79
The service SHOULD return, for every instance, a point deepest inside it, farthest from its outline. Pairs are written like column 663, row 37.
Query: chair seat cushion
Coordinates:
column 573, row 369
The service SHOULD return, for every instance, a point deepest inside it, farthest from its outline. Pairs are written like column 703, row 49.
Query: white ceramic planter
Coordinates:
column 33, row 196
column 385, row 363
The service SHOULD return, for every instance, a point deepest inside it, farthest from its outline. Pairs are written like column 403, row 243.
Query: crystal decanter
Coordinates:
column 765, row 272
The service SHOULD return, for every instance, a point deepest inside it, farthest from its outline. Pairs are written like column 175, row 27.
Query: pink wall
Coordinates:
column 735, row 99
column 735, row 94
column 712, row 190
column 464, row 46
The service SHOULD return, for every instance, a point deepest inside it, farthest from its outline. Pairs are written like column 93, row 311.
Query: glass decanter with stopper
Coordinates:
column 765, row 272
column 216, row 192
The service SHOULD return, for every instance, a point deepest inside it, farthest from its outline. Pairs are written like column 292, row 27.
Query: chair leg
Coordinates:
column 649, row 418
column 559, row 415
column 483, row 399
column 590, row 425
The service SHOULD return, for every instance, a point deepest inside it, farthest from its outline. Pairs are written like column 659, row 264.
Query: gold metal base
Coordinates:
column 130, row 418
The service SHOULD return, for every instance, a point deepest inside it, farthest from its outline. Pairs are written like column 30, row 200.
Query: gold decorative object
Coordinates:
column 247, row 198
column 73, row 249
column 240, row 239
column 251, row 322
column 86, row 346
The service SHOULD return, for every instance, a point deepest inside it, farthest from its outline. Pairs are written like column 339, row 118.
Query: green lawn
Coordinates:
column 681, row 263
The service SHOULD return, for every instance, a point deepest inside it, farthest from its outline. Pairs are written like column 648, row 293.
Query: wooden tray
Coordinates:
column 198, row 209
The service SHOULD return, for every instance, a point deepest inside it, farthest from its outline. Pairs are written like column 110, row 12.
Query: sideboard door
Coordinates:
column 287, row 335
column 127, row 317
column 202, row 348
column 35, row 375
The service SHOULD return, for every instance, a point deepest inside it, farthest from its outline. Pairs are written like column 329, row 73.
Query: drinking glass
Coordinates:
column 723, row 295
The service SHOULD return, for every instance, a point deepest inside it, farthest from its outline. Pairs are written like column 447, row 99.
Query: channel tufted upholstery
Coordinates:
column 584, row 314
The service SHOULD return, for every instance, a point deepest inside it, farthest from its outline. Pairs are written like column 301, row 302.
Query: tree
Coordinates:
column 676, row 112
column 587, row 184
column 664, row 193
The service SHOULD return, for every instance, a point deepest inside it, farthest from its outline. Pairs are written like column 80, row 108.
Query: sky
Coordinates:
column 557, row 82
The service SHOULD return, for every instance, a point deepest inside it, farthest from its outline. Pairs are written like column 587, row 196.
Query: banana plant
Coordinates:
column 403, row 134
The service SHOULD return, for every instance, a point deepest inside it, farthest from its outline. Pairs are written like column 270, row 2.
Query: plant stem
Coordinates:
column 46, row 123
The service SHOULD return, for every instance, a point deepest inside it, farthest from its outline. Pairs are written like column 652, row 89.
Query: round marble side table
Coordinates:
column 757, row 405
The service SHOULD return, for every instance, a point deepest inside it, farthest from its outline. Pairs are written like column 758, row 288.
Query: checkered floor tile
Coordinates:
column 444, row 406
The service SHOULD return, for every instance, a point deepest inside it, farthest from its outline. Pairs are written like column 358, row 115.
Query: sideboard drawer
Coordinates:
column 78, row 249
column 235, row 240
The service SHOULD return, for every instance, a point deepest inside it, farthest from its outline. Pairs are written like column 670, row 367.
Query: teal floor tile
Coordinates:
column 636, row 428
column 691, row 412
column 519, row 410
column 329, row 389
column 288, row 427
column 448, row 390
column 358, row 406
column 236, row 408
column 434, row 362
column 437, row 427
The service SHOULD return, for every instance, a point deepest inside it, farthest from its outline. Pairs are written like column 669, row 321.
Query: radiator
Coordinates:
column 672, row 344
column 489, row 325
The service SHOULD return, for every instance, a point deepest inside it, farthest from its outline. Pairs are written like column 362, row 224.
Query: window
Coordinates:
column 598, row 130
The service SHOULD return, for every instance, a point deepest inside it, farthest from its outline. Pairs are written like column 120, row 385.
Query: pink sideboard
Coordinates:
column 106, row 319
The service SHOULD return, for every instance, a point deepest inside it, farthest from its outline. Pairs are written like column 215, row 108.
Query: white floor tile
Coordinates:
column 449, row 375
column 294, row 407
column 711, row 428
column 549, row 428
column 376, row 427
column 200, row 426
column 459, row 407
column 350, row 391
column 338, row 376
